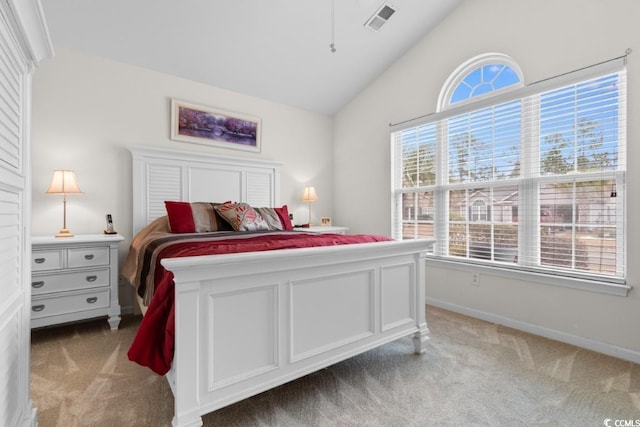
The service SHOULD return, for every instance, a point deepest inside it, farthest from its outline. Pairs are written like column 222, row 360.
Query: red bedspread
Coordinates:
column 154, row 341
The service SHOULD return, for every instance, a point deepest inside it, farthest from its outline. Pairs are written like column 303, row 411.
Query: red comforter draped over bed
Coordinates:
column 154, row 341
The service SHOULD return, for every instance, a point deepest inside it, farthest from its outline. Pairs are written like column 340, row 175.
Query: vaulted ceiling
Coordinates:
column 276, row 50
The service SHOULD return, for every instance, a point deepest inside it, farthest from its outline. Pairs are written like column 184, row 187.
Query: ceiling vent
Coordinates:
column 378, row 19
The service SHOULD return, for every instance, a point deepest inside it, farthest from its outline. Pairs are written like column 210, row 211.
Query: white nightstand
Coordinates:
column 74, row 278
column 320, row 229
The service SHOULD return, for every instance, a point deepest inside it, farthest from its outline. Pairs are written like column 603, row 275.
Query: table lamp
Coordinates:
column 64, row 182
column 309, row 196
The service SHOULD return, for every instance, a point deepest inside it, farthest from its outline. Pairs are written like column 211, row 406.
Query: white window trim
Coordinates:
column 613, row 286
column 609, row 288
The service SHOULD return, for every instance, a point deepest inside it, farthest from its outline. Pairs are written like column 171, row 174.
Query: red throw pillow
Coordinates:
column 180, row 217
column 283, row 214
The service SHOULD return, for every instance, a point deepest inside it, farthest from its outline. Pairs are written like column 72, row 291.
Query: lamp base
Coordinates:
column 64, row 232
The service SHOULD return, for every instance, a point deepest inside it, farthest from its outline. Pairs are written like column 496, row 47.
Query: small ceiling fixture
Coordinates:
column 380, row 17
column 332, row 45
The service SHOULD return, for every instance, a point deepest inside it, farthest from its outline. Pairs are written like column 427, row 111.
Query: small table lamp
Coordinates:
column 309, row 196
column 64, row 182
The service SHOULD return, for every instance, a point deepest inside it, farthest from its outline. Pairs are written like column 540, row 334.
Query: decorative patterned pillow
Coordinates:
column 270, row 217
column 198, row 217
column 242, row 217
column 276, row 218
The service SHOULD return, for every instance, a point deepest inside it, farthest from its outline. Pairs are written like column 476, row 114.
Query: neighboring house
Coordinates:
column 556, row 207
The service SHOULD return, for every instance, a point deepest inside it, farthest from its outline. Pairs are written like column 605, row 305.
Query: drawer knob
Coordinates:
column 37, row 284
column 91, row 278
column 91, row 300
column 38, row 307
column 39, row 260
column 88, row 256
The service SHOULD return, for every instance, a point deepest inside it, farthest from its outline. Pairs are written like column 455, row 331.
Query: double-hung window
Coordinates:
column 528, row 178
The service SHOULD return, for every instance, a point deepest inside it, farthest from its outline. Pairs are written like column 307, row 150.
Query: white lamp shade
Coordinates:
column 309, row 194
column 64, row 182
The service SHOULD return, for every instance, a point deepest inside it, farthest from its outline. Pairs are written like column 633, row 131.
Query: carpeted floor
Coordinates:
column 473, row 373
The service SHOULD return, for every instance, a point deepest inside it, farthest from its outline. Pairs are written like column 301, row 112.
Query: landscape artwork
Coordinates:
column 205, row 125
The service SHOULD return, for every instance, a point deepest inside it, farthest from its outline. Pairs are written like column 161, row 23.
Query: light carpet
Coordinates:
column 474, row 373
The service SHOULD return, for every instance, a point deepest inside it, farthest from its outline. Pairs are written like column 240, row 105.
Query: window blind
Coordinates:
column 530, row 179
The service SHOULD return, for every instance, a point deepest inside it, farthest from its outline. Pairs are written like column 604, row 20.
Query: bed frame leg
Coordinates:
column 195, row 422
column 420, row 339
column 186, row 365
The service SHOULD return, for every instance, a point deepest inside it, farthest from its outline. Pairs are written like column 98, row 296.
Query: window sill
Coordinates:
column 529, row 276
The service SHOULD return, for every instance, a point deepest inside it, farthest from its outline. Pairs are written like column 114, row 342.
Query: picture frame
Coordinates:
column 205, row 125
column 325, row 221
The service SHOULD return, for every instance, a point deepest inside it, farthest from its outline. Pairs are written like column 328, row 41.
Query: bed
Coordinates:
column 248, row 322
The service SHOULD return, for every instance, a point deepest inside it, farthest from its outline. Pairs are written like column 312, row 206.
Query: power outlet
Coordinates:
column 475, row 279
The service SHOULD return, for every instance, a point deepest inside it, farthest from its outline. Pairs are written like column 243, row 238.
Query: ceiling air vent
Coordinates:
column 378, row 19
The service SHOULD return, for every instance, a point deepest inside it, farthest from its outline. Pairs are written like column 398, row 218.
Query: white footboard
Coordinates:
column 246, row 323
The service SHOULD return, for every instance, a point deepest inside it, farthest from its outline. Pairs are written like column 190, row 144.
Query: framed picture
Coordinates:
column 325, row 220
column 216, row 128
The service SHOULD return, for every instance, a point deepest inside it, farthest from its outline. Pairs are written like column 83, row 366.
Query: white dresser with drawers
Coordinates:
column 74, row 278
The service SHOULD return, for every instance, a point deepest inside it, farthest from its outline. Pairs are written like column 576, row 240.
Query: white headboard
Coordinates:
column 161, row 174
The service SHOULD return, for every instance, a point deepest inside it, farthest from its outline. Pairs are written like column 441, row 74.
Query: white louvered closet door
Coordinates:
column 13, row 191
column 17, row 60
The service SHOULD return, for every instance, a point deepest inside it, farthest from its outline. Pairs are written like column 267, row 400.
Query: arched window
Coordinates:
column 481, row 75
column 530, row 174
column 479, row 210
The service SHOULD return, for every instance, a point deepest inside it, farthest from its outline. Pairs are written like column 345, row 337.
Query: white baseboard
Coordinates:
column 600, row 347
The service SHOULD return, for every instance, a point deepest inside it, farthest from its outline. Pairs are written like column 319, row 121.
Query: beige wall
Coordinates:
column 87, row 111
column 546, row 38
